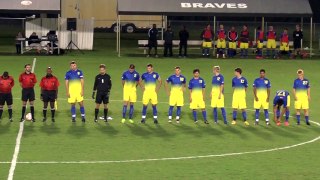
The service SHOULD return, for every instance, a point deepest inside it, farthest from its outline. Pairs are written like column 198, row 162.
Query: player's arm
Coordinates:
column 204, row 93
column 268, row 94
column 159, row 84
column 275, row 108
column 67, row 87
column 294, row 94
column 12, row 82
column 221, row 90
column 166, row 87
column 190, row 92
column 255, row 93
column 20, row 80
column 309, row 94
column 184, row 86
column 82, row 86
column 95, row 84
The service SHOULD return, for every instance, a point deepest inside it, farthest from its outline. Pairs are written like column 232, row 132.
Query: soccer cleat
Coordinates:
column 169, row 121
column 234, row 122
column 217, row 56
column 298, row 123
column 286, row 123
column 95, row 120
column 73, row 119
column 308, row 123
column 267, row 123
column 123, row 121
column 33, row 120
column 223, row 56
column 206, row 122
column 143, row 121
column 177, row 121
column 83, row 119
column 131, row 121
column 44, row 119
column 225, row 122
column 21, row 120
column 10, row 120
column 256, row 123
column 246, row 123
column 195, row 121
column 155, row 121
column 53, row 120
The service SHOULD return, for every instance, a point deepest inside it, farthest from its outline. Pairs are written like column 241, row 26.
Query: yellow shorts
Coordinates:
column 232, row 45
column 216, row 102
column 150, row 96
column 260, row 45
column 130, row 95
column 197, row 102
column 75, row 97
column 301, row 103
column 176, row 99
column 244, row 45
column 262, row 103
column 271, row 44
column 239, row 102
column 206, row 44
column 221, row 44
column 284, row 47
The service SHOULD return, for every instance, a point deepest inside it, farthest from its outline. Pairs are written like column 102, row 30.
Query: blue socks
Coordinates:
column 204, row 114
column 82, row 112
column 244, row 115
column 266, row 114
column 287, row 115
column 257, row 114
column 73, row 111
column 195, row 117
column 124, row 111
column 215, row 114
column 307, row 118
column 278, row 113
column 234, row 115
column 131, row 111
column 178, row 111
column 155, row 111
column 170, row 111
column 298, row 119
column 224, row 115
column 144, row 111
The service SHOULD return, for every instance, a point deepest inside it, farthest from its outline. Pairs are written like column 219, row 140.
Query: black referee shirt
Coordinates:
column 102, row 83
column 297, row 36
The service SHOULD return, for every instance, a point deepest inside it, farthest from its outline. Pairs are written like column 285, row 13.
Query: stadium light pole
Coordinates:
column 214, row 30
column 311, row 38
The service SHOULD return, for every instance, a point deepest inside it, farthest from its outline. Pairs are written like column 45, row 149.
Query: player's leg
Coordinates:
column 195, row 116
column 145, row 102
column 204, row 114
column 2, row 102
column 306, row 115
column 246, row 50
column 96, row 112
column 131, row 110
column 242, row 50
column 73, row 111
column 243, row 106
column 215, row 114
column 219, row 46
column 53, row 110
column 275, row 114
column 257, row 106
column 154, row 102
column 82, row 110
column 265, row 106
column 298, row 114
column 273, row 48
column 44, row 111
column 235, row 106
column 105, row 106
column 244, row 115
column 172, row 103
column 31, row 103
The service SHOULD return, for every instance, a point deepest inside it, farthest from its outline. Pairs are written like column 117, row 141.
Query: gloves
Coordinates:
column 93, row 94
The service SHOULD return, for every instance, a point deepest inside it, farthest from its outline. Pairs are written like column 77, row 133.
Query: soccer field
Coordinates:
column 64, row 150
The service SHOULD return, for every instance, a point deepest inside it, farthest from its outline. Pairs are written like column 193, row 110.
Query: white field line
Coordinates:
column 18, row 140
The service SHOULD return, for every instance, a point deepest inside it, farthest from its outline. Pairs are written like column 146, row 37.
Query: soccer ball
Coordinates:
column 26, row 3
column 28, row 117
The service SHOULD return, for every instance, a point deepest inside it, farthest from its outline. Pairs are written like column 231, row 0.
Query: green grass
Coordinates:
column 64, row 141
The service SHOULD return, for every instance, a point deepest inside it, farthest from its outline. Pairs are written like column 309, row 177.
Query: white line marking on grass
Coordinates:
column 18, row 140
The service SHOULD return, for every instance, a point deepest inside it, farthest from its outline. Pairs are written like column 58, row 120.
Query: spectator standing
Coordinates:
column 168, row 42
column 184, row 36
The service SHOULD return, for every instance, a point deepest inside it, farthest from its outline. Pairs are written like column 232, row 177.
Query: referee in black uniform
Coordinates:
column 101, row 88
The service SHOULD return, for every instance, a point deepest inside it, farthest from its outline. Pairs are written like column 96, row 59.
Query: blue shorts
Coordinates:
column 285, row 101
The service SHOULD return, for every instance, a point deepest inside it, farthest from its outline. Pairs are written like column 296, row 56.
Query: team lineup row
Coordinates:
column 150, row 82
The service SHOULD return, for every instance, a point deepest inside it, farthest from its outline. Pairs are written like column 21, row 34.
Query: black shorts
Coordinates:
column 28, row 94
column 49, row 96
column 6, row 98
column 102, row 97
column 152, row 44
column 297, row 44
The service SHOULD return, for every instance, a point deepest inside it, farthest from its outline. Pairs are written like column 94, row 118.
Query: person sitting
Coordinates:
column 34, row 42
column 52, row 38
column 18, row 42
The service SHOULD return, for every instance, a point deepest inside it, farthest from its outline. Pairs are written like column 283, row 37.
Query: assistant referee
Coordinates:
column 102, row 86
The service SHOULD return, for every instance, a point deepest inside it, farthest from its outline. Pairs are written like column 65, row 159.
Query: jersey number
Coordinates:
column 281, row 93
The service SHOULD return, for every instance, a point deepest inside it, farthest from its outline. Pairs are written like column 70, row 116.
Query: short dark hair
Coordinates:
column 27, row 65
column 177, row 67
column 73, row 62
column 245, row 25
column 262, row 70
column 102, row 66
column 132, row 66
column 5, row 74
column 239, row 70
column 149, row 65
column 196, row 70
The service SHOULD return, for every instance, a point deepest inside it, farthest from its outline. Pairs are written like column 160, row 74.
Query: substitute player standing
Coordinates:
column 217, row 95
column 130, row 81
column 27, row 81
column 102, row 86
column 282, row 98
column 240, row 85
column 271, row 42
column 49, row 93
column 233, row 38
column 151, row 89
column 197, row 87
column 75, row 89
column 178, row 85
column 244, row 41
column 260, row 40
column 221, row 42
column 261, row 91
column 6, row 85
column 284, row 43
column 301, row 92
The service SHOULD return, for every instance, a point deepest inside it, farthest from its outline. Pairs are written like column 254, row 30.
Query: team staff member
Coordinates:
column 168, row 42
column 151, row 89
column 184, row 37
column 217, row 95
column 102, row 85
column 197, row 87
column 27, row 81
column 244, row 41
column 207, row 37
column 49, row 92
column 233, row 38
column 75, row 89
column 178, row 85
column 240, row 85
column 130, row 81
column 153, row 40
column 6, row 85
column 301, row 92
column 297, row 38
column 261, row 91
column 271, row 42
column 260, row 39
column 221, row 41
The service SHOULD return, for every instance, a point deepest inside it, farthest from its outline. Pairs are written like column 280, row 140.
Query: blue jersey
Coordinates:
column 176, row 81
column 130, row 79
column 301, row 87
column 74, row 77
column 281, row 98
column 262, row 85
column 150, row 80
column 217, row 82
column 196, row 85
